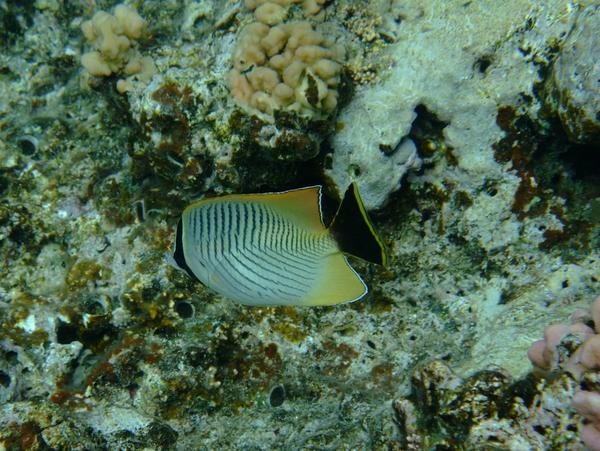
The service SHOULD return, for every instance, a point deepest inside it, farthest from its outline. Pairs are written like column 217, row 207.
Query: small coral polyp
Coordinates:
column 285, row 66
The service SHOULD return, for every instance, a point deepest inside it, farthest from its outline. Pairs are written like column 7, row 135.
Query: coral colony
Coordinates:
column 575, row 349
column 114, row 39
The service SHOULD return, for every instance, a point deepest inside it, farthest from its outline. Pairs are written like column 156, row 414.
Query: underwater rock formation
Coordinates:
column 462, row 73
column 574, row 89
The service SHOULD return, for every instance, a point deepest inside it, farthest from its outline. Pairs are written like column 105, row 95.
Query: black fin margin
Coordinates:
column 353, row 231
column 178, row 255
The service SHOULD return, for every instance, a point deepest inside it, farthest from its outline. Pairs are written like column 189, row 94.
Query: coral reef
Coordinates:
column 286, row 67
column 490, row 408
column 492, row 236
column 113, row 38
column 287, row 77
column 274, row 11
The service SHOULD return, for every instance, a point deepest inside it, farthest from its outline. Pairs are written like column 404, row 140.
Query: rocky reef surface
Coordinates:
column 471, row 129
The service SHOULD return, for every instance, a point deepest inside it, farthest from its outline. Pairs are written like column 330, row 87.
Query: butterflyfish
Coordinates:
column 273, row 249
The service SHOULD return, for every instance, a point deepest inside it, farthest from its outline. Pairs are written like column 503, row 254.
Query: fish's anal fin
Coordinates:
column 353, row 231
column 339, row 283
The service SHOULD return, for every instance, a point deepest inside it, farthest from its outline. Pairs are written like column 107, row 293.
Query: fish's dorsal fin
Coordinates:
column 302, row 206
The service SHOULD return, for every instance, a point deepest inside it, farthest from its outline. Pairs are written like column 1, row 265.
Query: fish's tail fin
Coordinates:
column 354, row 232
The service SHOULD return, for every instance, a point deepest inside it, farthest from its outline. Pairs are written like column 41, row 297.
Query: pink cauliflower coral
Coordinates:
column 575, row 348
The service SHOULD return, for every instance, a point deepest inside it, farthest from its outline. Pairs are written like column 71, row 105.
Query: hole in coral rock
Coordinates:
column 28, row 145
column 11, row 357
column 386, row 149
column 277, row 396
column 65, row 333
column 483, row 63
column 94, row 308
column 184, row 309
column 489, row 186
column 4, row 379
column 427, row 131
column 355, row 170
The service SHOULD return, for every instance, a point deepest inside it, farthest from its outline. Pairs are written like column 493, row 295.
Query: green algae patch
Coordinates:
column 292, row 323
column 84, row 272
column 379, row 303
column 550, row 169
column 149, row 304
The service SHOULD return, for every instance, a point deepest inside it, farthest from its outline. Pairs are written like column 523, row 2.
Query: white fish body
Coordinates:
column 266, row 249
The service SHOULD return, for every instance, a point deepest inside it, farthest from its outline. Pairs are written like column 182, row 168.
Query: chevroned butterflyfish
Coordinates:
column 273, row 249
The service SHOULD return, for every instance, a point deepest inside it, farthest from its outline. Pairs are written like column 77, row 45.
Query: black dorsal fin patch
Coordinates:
column 354, row 232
